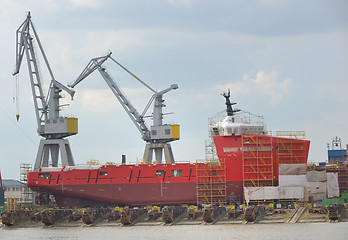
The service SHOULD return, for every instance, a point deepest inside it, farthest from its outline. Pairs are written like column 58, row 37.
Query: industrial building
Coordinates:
column 18, row 190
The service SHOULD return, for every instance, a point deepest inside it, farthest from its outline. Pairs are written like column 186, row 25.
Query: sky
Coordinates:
column 285, row 60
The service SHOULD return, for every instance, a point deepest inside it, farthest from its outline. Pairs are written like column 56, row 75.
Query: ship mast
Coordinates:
column 229, row 109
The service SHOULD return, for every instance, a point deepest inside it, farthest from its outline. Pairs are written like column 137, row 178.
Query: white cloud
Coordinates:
column 102, row 100
column 87, row 3
column 272, row 3
column 185, row 3
column 97, row 100
column 265, row 83
column 235, row 87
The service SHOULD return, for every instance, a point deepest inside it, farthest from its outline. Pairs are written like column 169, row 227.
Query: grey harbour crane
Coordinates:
column 157, row 137
column 50, row 125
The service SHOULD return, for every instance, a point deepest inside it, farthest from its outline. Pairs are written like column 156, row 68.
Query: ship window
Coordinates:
column 177, row 173
column 154, row 132
column 54, row 121
column 160, row 172
column 44, row 175
column 167, row 131
column 103, row 173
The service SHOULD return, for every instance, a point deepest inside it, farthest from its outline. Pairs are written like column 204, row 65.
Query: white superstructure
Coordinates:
column 235, row 125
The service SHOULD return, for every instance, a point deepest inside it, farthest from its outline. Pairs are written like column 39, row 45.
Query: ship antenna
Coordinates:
column 229, row 110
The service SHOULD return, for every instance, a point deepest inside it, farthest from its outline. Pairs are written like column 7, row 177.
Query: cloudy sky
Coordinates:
column 285, row 60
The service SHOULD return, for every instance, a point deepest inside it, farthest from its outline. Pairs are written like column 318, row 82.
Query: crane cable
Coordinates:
column 16, row 96
column 15, row 100
column 17, row 125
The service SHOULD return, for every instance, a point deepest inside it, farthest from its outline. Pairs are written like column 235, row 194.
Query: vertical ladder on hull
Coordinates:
column 211, row 182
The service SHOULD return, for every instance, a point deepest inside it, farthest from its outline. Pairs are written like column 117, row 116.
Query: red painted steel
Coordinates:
column 151, row 184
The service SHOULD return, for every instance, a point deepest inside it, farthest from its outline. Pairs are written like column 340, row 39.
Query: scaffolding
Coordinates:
column 290, row 149
column 342, row 178
column 11, row 204
column 211, row 182
column 210, row 150
column 257, row 161
column 342, row 171
column 93, row 162
column 27, row 197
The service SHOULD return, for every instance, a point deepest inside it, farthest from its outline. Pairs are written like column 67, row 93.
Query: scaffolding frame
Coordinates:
column 93, row 162
column 342, row 171
column 27, row 197
column 257, row 161
column 342, row 177
column 289, row 149
column 211, row 181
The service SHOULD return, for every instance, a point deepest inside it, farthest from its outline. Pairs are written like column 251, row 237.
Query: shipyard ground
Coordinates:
column 268, row 217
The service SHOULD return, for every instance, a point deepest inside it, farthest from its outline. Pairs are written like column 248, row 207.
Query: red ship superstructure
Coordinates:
column 253, row 157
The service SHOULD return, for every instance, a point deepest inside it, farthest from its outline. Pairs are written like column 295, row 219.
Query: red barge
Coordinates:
column 244, row 159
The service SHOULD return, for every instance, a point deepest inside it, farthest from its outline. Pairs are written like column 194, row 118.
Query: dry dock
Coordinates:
column 183, row 217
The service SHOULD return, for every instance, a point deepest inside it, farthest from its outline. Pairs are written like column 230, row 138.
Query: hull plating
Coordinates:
column 160, row 183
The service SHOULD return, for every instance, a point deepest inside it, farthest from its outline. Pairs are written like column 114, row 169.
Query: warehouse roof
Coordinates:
column 12, row 183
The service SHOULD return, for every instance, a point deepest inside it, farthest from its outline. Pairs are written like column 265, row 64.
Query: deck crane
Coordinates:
column 50, row 125
column 159, row 135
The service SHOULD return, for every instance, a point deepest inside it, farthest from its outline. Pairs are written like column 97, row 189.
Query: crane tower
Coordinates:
column 50, row 125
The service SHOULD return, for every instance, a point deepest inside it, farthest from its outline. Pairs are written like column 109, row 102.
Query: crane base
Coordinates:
column 159, row 149
column 49, row 152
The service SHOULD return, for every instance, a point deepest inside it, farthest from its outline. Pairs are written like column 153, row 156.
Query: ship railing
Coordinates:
column 97, row 166
column 153, row 163
column 207, row 162
column 292, row 134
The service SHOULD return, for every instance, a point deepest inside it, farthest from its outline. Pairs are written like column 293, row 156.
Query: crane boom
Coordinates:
column 25, row 45
column 159, row 135
column 136, row 118
column 90, row 68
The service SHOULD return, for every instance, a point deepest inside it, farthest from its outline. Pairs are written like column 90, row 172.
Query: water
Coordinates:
column 317, row 231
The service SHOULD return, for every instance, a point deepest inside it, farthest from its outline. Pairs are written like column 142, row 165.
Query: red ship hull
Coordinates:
column 162, row 184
